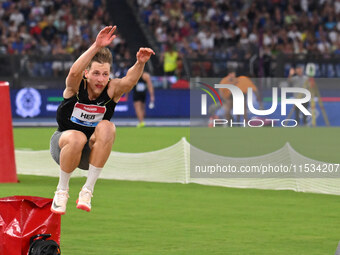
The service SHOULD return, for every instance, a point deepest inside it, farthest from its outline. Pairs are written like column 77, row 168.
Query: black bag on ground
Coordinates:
column 41, row 246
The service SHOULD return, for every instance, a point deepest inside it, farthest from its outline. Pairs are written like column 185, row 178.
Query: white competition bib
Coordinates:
column 140, row 87
column 87, row 115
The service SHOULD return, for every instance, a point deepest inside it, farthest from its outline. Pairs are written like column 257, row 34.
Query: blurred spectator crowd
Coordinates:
column 58, row 28
column 229, row 29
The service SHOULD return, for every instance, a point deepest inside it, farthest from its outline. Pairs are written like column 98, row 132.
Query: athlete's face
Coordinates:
column 97, row 77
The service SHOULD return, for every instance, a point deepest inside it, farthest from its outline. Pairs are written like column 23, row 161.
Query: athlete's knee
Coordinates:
column 106, row 125
column 105, row 130
column 74, row 139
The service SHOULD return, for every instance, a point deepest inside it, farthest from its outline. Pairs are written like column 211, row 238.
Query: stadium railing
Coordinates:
column 21, row 70
column 327, row 66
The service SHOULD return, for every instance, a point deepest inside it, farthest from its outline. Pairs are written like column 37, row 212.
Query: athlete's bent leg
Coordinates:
column 71, row 144
column 101, row 144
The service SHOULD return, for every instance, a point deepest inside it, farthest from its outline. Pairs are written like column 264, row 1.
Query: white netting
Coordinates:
column 172, row 164
column 166, row 165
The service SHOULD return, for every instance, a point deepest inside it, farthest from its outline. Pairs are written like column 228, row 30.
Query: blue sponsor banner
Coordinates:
column 331, row 110
column 31, row 103
column 331, row 103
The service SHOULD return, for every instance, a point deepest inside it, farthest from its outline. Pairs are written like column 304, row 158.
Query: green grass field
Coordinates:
column 317, row 143
column 127, row 139
column 156, row 218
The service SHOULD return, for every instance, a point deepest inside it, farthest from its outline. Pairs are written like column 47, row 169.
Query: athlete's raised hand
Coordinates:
column 144, row 54
column 105, row 36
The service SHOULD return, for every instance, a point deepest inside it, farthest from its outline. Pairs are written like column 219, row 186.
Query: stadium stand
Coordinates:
column 237, row 30
column 49, row 35
column 257, row 38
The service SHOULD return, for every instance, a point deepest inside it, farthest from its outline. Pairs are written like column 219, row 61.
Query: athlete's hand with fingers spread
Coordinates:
column 105, row 36
column 144, row 54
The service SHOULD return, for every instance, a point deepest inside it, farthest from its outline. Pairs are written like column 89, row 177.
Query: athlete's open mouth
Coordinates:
column 99, row 86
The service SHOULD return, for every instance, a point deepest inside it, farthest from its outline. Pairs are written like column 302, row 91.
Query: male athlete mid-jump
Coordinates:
column 85, row 134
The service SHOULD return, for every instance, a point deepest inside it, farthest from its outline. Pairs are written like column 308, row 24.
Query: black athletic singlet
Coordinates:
column 139, row 91
column 81, row 113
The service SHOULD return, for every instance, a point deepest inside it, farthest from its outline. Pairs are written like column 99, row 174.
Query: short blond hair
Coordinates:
column 104, row 55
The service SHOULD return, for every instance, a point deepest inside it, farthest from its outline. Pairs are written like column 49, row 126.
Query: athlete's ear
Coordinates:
column 86, row 73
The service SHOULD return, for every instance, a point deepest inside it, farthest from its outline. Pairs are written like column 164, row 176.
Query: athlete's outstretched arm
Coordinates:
column 104, row 38
column 134, row 73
